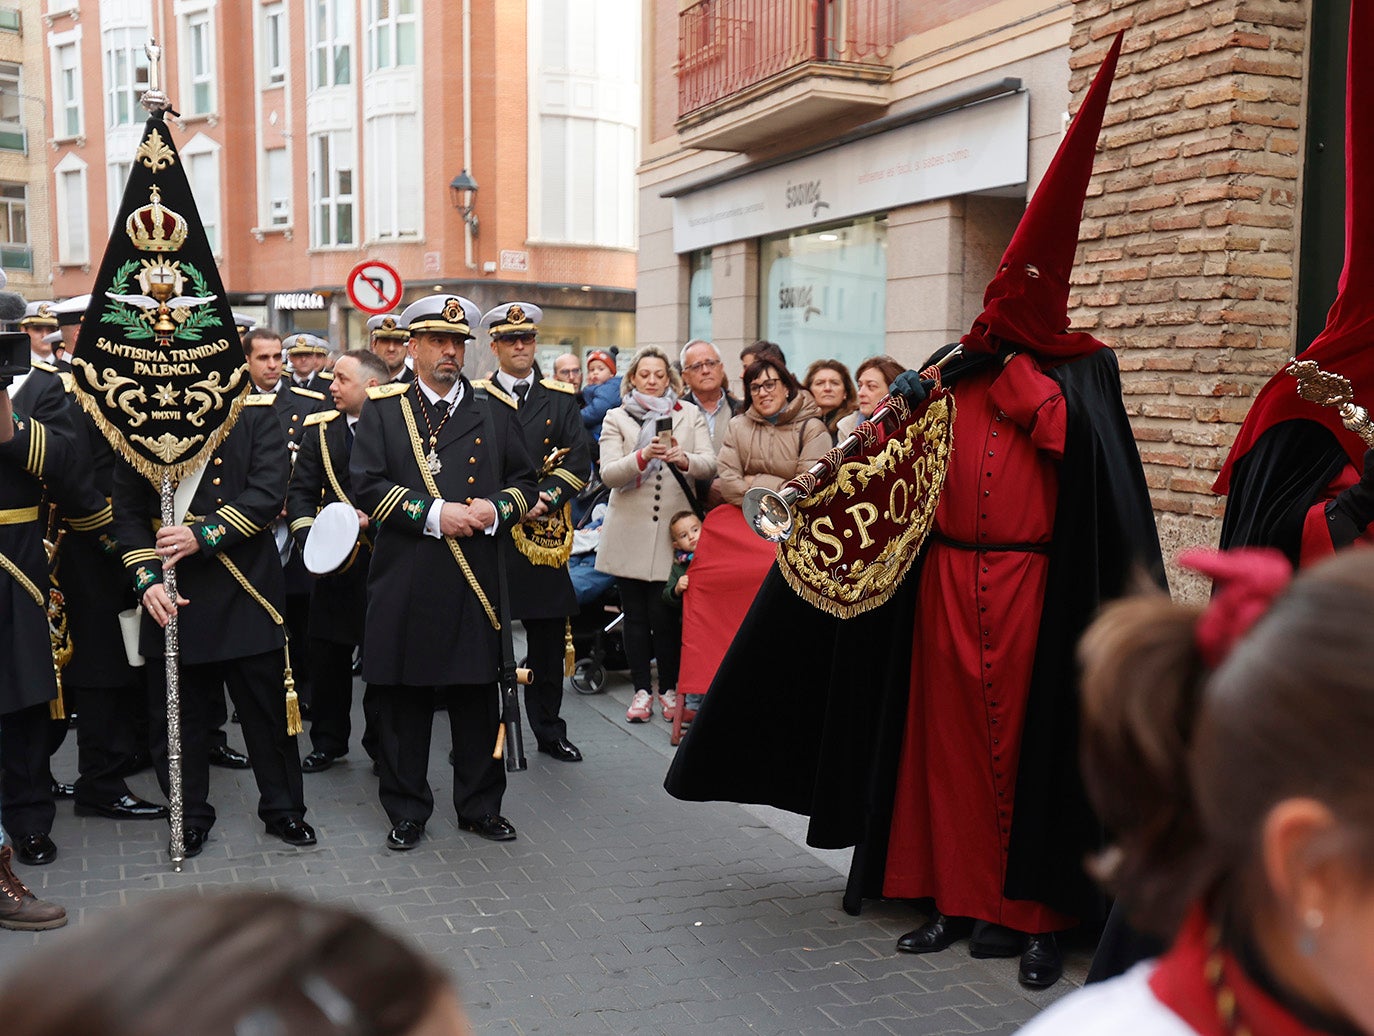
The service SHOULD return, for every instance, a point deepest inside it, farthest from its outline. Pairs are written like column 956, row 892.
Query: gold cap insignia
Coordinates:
column 388, row 323
column 515, row 315
column 154, row 228
column 453, row 311
column 44, row 310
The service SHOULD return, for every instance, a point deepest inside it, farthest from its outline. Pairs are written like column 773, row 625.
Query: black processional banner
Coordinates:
column 158, row 362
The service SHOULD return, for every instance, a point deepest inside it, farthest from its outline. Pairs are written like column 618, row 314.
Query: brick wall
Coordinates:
column 1188, row 249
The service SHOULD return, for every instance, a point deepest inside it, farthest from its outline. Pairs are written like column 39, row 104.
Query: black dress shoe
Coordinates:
column 939, row 933
column 193, row 841
column 493, row 827
column 317, row 761
column 63, row 791
column 291, row 830
column 405, row 835
column 1042, row 965
column 562, row 749
column 995, row 940
column 126, row 807
column 223, row 755
column 35, row 849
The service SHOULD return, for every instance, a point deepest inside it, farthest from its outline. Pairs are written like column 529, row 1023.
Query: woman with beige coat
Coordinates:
column 636, row 544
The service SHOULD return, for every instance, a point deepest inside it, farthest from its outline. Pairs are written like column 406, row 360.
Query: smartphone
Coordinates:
column 664, row 427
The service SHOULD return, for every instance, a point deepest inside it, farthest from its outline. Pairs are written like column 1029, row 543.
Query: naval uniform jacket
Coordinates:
column 240, row 493
column 549, row 419
column 292, row 405
column 319, row 476
column 43, row 449
column 425, row 626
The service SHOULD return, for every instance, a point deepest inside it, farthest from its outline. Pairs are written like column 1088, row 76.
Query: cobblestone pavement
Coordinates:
column 618, row 909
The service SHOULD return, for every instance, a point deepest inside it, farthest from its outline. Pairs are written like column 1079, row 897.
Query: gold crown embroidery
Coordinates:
column 155, row 228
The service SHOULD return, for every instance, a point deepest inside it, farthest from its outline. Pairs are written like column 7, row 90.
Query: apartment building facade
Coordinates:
column 476, row 146
column 841, row 177
column 25, row 254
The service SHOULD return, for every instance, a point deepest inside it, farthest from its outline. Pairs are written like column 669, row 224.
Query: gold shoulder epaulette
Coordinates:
column 68, row 380
column 308, row 393
column 260, row 399
column 326, row 375
column 321, row 417
column 490, row 387
column 391, row 388
column 557, row 386
column 44, row 365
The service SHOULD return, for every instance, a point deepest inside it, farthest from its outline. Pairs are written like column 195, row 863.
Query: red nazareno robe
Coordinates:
column 973, row 647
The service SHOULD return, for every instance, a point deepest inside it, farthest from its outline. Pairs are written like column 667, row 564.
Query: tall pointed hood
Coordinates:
column 1346, row 345
column 1027, row 303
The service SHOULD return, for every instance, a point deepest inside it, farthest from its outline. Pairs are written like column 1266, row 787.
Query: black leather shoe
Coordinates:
column 126, row 807
column 939, row 933
column 193, row 841
column 493, row 827
column 405, row 835
column 1042, row 965
column 63, row 791
column 223, row 755
column 35, row 849
column 995, row 940
column 317, row 761
column 562, row 749
column 292, row 830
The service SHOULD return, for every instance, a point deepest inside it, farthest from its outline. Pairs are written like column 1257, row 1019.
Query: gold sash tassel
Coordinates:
column 293, row 702
column 569, row 652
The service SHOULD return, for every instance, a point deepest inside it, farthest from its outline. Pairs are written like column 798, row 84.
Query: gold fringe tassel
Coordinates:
column 569, row 652
column 57, row 708
column 293, row 701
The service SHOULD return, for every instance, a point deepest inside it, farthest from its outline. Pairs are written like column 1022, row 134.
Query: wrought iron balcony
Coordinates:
column 725, row 47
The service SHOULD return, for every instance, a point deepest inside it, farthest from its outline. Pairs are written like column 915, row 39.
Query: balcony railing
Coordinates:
column 725, row 46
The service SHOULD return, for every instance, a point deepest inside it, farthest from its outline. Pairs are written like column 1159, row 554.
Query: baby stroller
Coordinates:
column 596, row 627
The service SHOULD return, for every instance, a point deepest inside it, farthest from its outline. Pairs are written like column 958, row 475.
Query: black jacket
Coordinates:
column 425, row 624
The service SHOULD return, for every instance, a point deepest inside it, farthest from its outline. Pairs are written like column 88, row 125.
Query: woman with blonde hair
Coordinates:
column 1227, row 749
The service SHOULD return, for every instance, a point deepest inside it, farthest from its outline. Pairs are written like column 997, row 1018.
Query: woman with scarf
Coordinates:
column 649, row 480
column 1227, row 749
column 873, row 378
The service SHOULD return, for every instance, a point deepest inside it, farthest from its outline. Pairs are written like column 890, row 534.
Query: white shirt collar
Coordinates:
column 351, row 419
column 509, row 381
column 454, row 394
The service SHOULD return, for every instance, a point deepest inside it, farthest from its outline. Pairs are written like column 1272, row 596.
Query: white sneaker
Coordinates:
column 667, row 704
column 641, row 708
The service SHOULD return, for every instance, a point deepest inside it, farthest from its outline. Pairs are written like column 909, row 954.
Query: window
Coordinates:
column 118, row 179
column 200, row 63
column 274, row 44
column 394, row 199
column 73, row 234
column 9, row 19
column 699, row 296
column 330, row 30
column 278, row 188
column 587, row 181
column 15, row 253
column 202, row 171
column 67, row 116
column 11, row 128
column 126, row 75
column 390, row 33
column 331, row 189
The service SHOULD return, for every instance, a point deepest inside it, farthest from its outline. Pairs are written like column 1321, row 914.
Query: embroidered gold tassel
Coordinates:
column 293, row 702
column 569, row 652
column 57, row 709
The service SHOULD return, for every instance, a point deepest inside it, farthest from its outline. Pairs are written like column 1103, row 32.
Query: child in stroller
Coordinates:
column 595, row 628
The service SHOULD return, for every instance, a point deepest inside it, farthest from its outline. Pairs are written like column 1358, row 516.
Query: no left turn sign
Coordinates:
column 374, row 287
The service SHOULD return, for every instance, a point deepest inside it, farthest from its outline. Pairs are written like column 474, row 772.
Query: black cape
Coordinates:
column 830, row 750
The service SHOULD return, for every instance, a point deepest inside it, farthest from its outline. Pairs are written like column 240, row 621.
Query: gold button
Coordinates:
column 219, row 461
column 548, row 420
column 295, row 418
column 468, row 500
column 472, row 460
column 479, row 440
column 546, row 442
column 471, row 480
column 215, row 482
column 218, row 500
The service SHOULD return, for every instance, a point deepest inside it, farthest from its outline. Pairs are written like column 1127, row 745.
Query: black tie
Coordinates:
column 348, row 441
column 440, row 408
column 522, row 389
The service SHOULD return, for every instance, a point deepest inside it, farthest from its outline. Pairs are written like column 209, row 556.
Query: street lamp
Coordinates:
column 463, row 190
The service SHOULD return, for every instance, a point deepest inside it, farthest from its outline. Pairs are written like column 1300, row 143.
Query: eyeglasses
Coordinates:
column 702, row 365
column 760, row 388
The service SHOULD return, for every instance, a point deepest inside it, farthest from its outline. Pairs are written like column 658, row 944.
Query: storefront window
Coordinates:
column 824, row 292
column 699, row 296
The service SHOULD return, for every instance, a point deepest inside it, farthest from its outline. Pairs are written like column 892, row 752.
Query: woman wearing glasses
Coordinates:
column 779, row 436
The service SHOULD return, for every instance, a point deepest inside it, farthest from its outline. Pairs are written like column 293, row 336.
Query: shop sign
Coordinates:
column 515, row 259
column 299, row 300
column 980, row 148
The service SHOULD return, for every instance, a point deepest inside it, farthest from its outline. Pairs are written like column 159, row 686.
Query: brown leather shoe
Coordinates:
column 20, row 909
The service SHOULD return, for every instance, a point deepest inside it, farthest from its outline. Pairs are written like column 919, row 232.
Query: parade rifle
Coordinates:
column 769, row 512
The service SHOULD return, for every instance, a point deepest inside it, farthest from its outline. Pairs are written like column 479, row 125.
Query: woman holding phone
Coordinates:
column 652, row 449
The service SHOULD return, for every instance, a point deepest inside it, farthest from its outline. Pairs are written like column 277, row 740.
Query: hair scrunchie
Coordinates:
column 1245, row 582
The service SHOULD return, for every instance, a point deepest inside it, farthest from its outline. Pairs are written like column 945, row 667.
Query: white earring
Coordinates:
column 1312, row 922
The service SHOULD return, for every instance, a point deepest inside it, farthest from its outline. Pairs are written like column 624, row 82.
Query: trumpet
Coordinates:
column 770, row 512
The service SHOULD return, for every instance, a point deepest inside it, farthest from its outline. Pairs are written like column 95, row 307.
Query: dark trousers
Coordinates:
column 652, row 630
column 544, row 697
column 255, row 685
column 331, row 724
column 405, row 721
column 105, row 741
column 26, row 802
column 217, row 715
column 297, row 615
